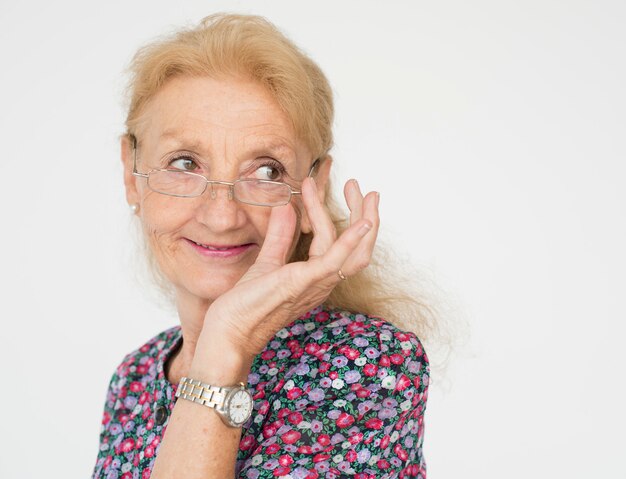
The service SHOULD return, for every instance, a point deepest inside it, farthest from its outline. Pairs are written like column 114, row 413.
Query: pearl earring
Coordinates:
column 134, row 208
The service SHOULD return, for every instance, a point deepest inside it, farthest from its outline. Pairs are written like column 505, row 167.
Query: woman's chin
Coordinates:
column 212, row 287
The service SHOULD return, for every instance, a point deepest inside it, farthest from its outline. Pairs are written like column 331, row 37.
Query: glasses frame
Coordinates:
column 230, row 184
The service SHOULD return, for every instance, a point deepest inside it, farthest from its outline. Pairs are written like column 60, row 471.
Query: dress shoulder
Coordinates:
column 140, row 360
column 355, row 342
column 338, row 393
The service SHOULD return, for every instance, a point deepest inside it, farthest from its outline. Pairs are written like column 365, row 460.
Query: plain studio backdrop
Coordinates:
column 494, row 131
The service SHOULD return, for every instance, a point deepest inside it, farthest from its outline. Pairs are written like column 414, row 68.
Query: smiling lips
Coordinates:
column 219, row 251
column 217, row 248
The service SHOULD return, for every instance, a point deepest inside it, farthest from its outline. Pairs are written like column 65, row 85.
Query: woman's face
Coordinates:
column 224, row 130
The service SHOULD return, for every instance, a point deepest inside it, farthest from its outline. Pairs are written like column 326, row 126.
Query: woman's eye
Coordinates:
column 271, row 170
column 183, row 163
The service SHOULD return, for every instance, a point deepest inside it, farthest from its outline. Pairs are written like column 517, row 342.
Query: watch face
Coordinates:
column 240, row 406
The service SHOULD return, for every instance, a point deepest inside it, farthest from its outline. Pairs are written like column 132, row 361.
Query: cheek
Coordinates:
column 162, row 218
column 259, row 218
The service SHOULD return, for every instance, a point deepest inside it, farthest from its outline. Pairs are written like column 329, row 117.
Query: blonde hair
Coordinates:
column 227, row 45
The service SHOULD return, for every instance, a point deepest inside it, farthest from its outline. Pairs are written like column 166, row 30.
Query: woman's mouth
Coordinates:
column 219, row 251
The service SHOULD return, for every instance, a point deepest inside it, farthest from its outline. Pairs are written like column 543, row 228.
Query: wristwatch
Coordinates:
column 233, row 403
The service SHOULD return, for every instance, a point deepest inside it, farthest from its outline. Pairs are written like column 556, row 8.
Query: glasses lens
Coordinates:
column 263, row 193
column 176, row 183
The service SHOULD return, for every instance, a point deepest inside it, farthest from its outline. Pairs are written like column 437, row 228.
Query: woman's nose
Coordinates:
column 218, row 208
column 214, row 186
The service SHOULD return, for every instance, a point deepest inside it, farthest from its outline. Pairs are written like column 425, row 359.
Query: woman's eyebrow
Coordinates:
column 279, row 152
column 277, row 147
column 274, row 146
column 178, row 138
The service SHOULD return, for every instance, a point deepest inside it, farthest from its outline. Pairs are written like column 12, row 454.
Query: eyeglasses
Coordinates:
column 185, row 184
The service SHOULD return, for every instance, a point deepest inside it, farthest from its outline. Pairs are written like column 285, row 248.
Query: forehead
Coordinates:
column 203, row 112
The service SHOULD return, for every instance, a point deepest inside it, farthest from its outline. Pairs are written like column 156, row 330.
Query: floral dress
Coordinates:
column 336, row 394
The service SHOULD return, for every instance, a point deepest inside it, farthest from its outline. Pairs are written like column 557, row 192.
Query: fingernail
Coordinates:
column 377, row 198
column 365, row 228
column 356, row 183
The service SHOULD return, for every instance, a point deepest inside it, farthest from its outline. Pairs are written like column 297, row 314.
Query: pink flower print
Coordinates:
column 355, row 438
column 344, row 420
column 323, row 439
column 352, row 353
column 374, row 423
column 264, row 407
column 321, row 457
column 402, row 383
column 146, row 412
column 400, row 336
column 401, row 453
column 295, row 418
column 269, row 430
column 290, row 437
column 272, row 449
column 106, row 417
column 246, row 443
column 294, row 393
column 350, row 456
column 305, row 449
column 127, row 445
column 363, row 393
column 282, row 471
column 136, row 387
column 312, row 348
column 321, row 316
column 397, row 359
column 268, row 354
column 370, row 369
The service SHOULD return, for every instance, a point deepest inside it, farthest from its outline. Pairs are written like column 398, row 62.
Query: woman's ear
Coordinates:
column 130, row 181
column 321, row 176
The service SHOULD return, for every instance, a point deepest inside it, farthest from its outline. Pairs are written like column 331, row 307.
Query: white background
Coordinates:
column 494, row 131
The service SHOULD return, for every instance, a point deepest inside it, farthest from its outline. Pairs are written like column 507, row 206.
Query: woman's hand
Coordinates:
column 273, row 293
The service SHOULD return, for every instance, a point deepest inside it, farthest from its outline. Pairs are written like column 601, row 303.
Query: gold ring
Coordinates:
column 341, row 275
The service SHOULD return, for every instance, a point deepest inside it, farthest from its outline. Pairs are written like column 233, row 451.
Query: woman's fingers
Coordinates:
column 333, row 260
column 354, row 199
column 362, row 254
column 324, row 233
column 352, row 251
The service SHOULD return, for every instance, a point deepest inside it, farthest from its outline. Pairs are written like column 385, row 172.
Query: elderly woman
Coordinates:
column 282, row 365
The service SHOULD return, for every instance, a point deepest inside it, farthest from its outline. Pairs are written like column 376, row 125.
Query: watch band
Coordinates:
column 218, row 398
column 202, row 393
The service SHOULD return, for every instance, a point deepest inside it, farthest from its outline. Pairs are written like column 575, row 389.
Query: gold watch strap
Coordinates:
column 202, row 393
